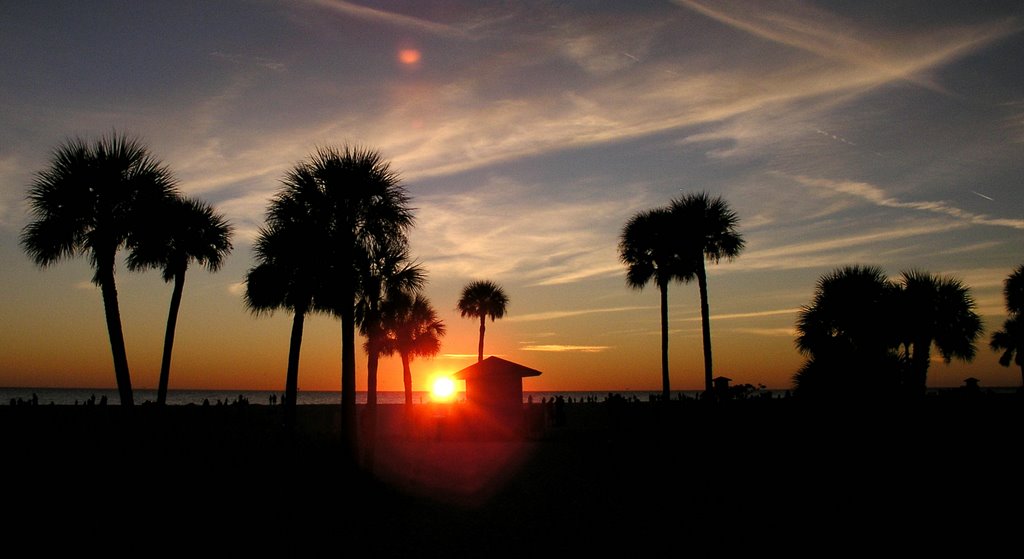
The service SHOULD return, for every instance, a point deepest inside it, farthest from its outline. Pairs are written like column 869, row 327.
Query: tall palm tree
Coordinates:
column 935, row 310
column 1010, row 341
column 846, row 333
column 708, row 231
column 482, row 299
column 88, row 202
column 648, row 248
column 186, row 230
column 288, row 275
column 353, row 198
column 414, row 330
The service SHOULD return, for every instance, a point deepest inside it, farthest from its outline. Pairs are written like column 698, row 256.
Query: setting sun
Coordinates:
column 443, row 389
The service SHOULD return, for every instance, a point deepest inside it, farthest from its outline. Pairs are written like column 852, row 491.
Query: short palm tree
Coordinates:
column 935, row 310
column 708, row 231
column 847, row 334
column 90, row 200
column 388, row 272
column 1010, row 341
column 187, row 230
column 413, row 330
column 648, row 248
column 482, row 299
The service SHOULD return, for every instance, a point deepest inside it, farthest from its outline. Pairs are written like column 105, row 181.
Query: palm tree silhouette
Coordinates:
column 1013, row 291
column 935, row 310
column 1010, row 341
column 89, row 202
column 413, row 330
column 846, row 333
column 186, row 230
column 648, row 246
column 352, row 199
column 482, row 299
column 288, row 275
column 388, row 272
column 708, row 231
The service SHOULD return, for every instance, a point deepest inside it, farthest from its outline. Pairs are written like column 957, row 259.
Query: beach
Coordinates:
column 771, row 475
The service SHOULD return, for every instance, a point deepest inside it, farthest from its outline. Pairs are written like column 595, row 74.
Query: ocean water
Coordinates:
column 84, row 396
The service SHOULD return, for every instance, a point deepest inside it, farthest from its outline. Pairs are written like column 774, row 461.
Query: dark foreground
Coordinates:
column 770, row 476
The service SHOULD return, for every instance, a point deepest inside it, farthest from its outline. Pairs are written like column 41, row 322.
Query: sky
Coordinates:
column 527, row 133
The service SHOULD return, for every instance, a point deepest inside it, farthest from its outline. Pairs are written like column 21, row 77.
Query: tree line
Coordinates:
column 861, row 333
column 334, row 242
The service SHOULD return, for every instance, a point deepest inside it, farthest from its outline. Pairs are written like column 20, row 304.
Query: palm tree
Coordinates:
column 287, row 275
column 1010, row 341
column 353, row 199
column 708, row 231
column 1013, row 291
column 186, row 230
column 846, row 333
column 387, row 271
column 414, row 330
column 88, row 202
column 648, row 248
column 935, row 310
column 482, row 299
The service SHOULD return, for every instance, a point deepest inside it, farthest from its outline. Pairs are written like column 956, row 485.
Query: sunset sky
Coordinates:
column 527, row 133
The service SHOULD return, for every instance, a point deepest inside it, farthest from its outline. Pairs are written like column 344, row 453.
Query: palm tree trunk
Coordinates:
column 105, row 276
column 480, row 347
column 349, row 431
column 291, row 379
column 665, row 389
column 407, row 378
column 919, row 366
column 172, row 321
column 705, row 325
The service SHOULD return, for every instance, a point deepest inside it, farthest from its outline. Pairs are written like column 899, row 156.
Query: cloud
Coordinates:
column 390, row 18
column 555, row 315
column 819, row 32
column 247, row 60
column 510, row 228
column 878, row 197
column 554, row 348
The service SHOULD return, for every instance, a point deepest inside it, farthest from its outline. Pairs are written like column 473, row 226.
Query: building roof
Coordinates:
column 495, row 366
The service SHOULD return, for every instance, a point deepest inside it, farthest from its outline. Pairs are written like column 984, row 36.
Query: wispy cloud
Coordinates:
column 879, row 197
column 391, row 18
column 805, row 27
column 555, row 348
column 555, row 315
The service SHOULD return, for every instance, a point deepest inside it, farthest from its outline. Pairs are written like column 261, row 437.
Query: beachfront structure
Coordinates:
column 494, row 388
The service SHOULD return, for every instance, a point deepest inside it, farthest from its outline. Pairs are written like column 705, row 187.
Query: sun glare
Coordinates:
column 443, row 389
column 409, row 57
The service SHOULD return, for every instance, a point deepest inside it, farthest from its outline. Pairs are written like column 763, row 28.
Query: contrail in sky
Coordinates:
column 983, row 196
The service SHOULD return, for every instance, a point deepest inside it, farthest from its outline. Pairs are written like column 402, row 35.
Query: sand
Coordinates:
column 768, row 475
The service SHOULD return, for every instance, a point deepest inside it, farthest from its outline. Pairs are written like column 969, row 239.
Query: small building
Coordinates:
column 494, row 390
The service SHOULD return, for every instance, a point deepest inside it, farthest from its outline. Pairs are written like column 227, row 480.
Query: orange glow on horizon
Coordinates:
column 442, row 389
